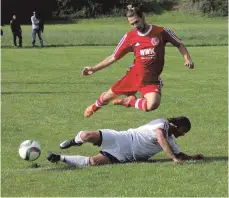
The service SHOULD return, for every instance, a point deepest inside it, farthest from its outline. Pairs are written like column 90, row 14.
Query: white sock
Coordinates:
column 78, row 138
column 76, row 160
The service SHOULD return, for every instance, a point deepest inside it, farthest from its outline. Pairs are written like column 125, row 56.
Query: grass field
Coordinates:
column 44, row 97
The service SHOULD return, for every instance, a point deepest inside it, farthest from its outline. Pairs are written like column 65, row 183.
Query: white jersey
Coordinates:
column 145, row 143
column 136, row 144
column 35, row 22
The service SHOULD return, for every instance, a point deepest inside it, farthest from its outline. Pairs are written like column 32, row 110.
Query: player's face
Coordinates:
column 180, row 131
column 137, row 23
column 14, row 16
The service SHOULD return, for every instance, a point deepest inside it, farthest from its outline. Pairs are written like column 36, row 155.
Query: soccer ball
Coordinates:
column 29, row 150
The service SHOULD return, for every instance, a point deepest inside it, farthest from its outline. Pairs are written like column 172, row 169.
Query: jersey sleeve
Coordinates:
column 164, row 125
column 169, row 36
column 122, row 48
column 175, row 148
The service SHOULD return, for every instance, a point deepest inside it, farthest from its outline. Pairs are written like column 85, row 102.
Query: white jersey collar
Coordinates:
column 149, row 30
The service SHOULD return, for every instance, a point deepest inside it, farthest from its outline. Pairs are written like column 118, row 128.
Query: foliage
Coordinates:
column 75, row 9
column 24, row 9
column 93, row 8
column 210, row 7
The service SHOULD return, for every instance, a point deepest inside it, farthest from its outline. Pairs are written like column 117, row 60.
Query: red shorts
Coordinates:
column 130, row 85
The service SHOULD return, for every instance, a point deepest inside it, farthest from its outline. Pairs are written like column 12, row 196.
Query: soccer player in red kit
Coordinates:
column 148, row 44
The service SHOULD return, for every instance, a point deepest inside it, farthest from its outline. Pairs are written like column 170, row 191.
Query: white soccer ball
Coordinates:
column 29, row 150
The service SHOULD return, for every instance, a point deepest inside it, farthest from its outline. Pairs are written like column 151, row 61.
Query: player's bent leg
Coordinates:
column 103, row 99
column 124, row 101
column 108, row 96
column 153, row 100
column 149, row 102
column 78, row 160
column 75, row 160
column 99, row 160
column 94, row 137
column 69, row 143
column 82, row 137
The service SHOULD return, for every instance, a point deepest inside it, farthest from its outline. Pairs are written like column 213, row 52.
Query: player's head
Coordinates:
column 34, row 13
column 14, row 16
column 180, row 125
column 136, row 18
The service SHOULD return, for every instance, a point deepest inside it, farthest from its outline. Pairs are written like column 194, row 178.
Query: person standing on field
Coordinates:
column 16, row 31
column 132, row 145
column 37, row 28
column 148, row 44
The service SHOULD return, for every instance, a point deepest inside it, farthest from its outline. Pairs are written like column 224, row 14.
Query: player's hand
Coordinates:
column 178, row 161
column 189, row 64
column 198, row 157
column 87, row 71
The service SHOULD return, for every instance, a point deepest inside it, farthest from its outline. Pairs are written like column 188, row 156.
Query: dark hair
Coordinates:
column 131, row 11
column 180, row 121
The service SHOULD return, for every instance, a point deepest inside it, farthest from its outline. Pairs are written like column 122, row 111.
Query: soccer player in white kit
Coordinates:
column 132, row 145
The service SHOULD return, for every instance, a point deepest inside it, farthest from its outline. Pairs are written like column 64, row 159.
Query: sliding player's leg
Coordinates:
column 106, row 138
column 79, row 160
column 94, row 137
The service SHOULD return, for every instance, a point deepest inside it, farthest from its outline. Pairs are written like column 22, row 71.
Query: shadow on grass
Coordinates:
column 206, row 159
column 58, row 168
column 46, row 92
column 54, row 83
column 66, row 167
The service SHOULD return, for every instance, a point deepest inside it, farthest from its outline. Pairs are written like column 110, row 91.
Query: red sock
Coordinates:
column 132, row 102
column 141, row 104
column 94, row 107
column 99, row 102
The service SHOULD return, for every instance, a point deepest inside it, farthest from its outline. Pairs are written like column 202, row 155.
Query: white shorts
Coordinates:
column 118, row 144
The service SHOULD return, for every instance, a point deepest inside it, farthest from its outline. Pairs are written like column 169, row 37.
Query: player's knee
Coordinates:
column 86, row 136
column 152, row 106
column 92, row 161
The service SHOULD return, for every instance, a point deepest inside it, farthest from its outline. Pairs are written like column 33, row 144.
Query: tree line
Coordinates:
column 74, row 9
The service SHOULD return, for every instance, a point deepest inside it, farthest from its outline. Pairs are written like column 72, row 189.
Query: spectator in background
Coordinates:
column 1, row 29
column 37, row 28
column 16, row 30
column 41, row 24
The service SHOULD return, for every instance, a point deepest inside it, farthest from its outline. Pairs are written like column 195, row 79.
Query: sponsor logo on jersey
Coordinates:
column 155, row 41
column 147, row 53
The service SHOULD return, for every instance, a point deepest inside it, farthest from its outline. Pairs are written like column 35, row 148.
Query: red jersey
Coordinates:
column 149, row 51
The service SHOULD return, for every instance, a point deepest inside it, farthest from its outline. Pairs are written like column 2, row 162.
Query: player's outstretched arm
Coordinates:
column 184, row 156
column 103, row 64
column 166, row 147
column 188, row 61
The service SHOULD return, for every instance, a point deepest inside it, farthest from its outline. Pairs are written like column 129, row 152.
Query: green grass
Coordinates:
column 194, row 30
column 44, row 97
